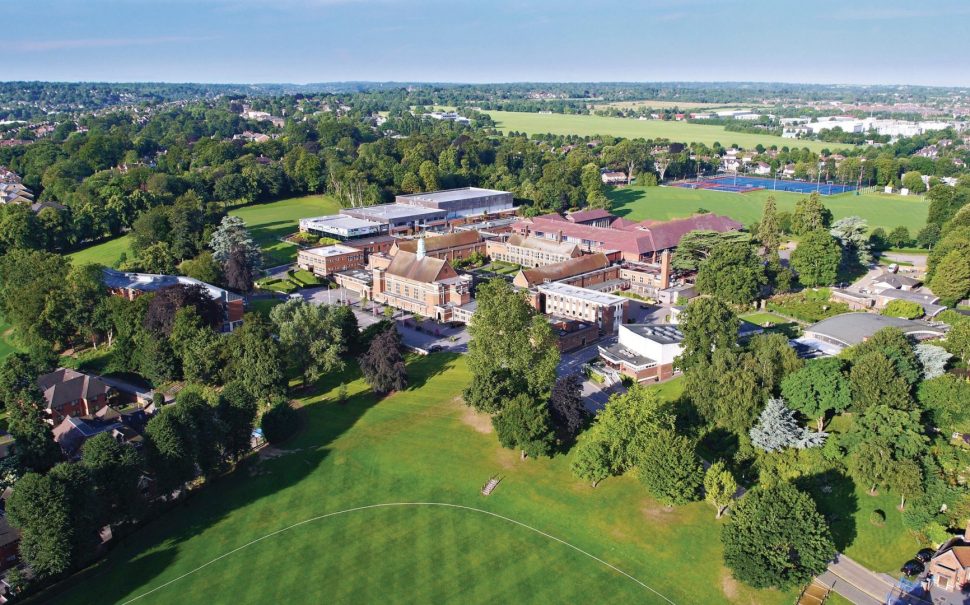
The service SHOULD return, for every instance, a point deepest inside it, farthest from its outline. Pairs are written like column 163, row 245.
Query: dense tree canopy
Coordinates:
column 776, row 538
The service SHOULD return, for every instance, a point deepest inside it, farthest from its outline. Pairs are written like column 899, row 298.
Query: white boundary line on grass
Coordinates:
column 387, row 505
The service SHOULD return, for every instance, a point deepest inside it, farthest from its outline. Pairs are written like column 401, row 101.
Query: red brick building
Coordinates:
column 71, row 393
column 327, row 260
column 450, row 247
column 133, row 285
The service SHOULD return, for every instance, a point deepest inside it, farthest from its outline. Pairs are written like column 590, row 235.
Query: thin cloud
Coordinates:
column 67, row 44
column 882, row 14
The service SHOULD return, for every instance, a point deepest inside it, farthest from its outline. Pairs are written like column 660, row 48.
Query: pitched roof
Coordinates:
column 667, row 234
column 425, row 270
column 639, row 238
column 545, row 245
column 588, row 215
column 897, row 281
column 64, row 385
column 441, row 242
column 568, row 268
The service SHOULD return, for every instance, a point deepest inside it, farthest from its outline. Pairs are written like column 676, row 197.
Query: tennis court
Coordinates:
column 745, row 184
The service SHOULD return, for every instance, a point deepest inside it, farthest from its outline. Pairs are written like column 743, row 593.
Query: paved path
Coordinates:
column 857, row 583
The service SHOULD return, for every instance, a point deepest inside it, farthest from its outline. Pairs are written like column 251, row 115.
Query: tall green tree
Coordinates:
column 591, row 459
column 312, row 341
column 115, row 470
column 707, row 324
column 776, row 538
column 524, row 424
column 510, row 344
column 881, row 439
column 719, row 487
column 732, row 273
column 627, row 422
column 256, row 359
column 874, row 380
column 810, row 215
column 36, row 448
column 236, row 409
column 816, row 259
column 818, row 389
column 951, row 278
column 670, row 468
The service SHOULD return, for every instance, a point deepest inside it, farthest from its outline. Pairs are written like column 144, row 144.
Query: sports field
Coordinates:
column 267, row 222
column 587, row 125
column 663, row 203
column 418, row 446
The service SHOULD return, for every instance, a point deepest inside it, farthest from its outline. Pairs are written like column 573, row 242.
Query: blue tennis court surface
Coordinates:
column 744, row 184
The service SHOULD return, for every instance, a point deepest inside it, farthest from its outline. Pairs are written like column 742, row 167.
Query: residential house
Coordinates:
column 895, row 281
column 613, row 177
column 949, row 568
column 71, row 393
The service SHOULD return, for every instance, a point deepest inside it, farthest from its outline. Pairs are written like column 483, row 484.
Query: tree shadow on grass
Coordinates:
column 623, row 199
column 126, row 569
column 422, row 368
column 834, row 494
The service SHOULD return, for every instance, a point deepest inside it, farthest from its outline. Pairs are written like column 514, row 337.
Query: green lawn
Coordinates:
column 664, row 203
column 7, row 345
column 105, row 253
column 269, row 222
column 587, row 125
column 762, row 319
column 417, row 446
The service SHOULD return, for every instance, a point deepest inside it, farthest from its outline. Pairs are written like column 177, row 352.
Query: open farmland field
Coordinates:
column 664, row 203
column 655, row 104
column 417, row 446
column 587, row 125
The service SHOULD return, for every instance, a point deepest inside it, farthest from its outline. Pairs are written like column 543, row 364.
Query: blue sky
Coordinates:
column 299, row 41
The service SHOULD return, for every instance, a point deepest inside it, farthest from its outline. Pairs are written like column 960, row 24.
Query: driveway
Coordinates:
column 917, row 260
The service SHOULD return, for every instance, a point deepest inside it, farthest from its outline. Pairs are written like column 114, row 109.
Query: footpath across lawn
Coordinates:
column 418, row 446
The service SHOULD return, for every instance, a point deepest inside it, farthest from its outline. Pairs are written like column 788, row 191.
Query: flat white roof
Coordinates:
column 450, row 195
column 332, row 250
column 394, row 211
column 600, row 298
column 340, row 221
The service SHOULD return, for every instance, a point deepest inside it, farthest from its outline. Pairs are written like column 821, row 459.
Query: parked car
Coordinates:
column 435, row 348
column 925, row 555
column 912, row 568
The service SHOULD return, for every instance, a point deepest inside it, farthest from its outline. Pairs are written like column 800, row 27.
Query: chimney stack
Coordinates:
column 665, row 269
